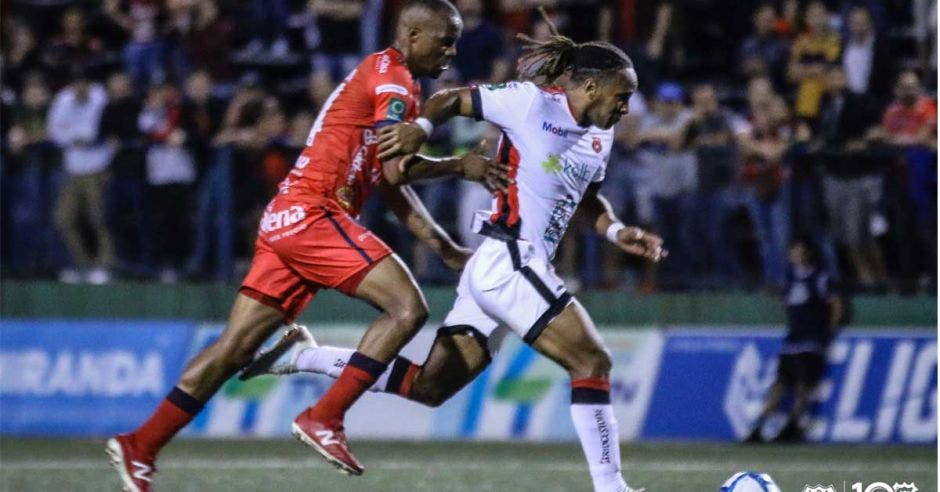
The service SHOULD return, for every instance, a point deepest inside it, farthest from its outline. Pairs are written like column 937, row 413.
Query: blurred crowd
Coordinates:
column 141, row 139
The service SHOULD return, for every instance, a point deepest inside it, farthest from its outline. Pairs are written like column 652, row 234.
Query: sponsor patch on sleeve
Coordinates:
column 396, row 109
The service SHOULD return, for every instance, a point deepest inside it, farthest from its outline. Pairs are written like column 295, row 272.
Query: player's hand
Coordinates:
column 400, row 139
column 477, row 167
column 456, row 257
column 638, row 242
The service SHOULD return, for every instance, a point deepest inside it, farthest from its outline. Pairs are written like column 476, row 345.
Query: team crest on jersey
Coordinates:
column 396, row 110
column 596, row 145
column 345, row 197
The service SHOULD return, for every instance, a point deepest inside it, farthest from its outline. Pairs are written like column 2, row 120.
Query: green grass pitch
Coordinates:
column 202, row 465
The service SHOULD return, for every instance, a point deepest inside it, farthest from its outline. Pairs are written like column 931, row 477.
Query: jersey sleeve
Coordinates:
column 600, row 174
column 505, row 104
column 394, row 97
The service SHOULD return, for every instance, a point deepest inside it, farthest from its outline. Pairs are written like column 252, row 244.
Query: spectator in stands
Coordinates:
column 267, row 22
column 910, row 125
column 170, row 175
column 200, row 38
column 667, row 177
column 340, row 44
column 604, row 265
column 710, row 136
column 813, row 53
column 216, row 201
column 866, row 59
column 144, row 51
column 764, row 53
column 28, row 163
column 74, row 123
column 319, row 86
column 21, row 53
column 70, row 46
column 127, row 201
column 480, row 46
column 852, row 181
column 767, row 175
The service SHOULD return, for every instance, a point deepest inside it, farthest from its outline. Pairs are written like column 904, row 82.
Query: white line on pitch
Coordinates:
column 659, row 466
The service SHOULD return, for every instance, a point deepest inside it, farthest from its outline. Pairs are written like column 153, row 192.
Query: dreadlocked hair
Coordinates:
column 545, row 61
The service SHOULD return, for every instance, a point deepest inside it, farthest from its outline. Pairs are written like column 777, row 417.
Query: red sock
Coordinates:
column 410, row 373
column 173, row 413
column 401, row 376
column 360, row 373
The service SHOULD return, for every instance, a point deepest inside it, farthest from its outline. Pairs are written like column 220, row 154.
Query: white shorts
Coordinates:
column 507, row 286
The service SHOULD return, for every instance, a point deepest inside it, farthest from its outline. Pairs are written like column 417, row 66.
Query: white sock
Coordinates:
column 332, row 360
column 597, row 430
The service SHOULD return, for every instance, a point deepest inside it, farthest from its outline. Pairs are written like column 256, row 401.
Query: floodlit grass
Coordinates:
column 285, row 465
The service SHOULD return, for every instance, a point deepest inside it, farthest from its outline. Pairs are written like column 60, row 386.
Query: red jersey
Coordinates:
column 339, row 162
column 906, row 123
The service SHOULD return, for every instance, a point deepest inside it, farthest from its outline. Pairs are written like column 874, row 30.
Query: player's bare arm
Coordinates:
column 634, row 240
column 473, row 166
column 406, row 205
column 407, row 138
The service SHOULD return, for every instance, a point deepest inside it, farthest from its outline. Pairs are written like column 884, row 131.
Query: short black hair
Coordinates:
column 436, row 6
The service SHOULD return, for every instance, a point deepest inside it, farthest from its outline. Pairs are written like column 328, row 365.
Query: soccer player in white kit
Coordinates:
column 556, row 140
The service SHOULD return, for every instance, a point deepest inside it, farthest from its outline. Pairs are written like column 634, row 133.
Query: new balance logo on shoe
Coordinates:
column 142, row 471
column 326, row 437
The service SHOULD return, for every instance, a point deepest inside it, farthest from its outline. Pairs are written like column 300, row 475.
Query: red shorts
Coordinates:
column 303, row 248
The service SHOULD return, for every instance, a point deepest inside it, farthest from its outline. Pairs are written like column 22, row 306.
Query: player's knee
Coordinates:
column 595, row 363
column 429, row 395
column 410, row 313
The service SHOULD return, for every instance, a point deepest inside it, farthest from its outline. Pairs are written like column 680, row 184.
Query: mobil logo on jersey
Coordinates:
column 554, row 129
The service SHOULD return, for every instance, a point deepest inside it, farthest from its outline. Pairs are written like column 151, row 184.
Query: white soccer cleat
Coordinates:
column 297, row 337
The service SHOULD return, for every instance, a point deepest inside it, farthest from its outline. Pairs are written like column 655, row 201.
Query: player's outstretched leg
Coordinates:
column 572, row 341
column 456, row 357
column 134, row 454
column 390, row 287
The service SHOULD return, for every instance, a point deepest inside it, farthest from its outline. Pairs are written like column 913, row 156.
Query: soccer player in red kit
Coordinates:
column 309, row 239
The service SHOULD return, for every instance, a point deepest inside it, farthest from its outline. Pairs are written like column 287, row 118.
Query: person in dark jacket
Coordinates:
column 814, row 313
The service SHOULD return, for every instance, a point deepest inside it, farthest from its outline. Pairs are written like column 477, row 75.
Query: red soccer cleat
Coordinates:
column 328, row 439
column 136, row 470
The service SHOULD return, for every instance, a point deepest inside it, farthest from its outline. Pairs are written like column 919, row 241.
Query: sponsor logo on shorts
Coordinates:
column 396, row 109
column 272, row 221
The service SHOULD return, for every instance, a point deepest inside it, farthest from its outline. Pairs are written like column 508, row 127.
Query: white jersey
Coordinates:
column 552, row 159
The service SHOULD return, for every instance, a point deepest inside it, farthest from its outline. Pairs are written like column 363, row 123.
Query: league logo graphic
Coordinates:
column 596, row 145
column 819, row 488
